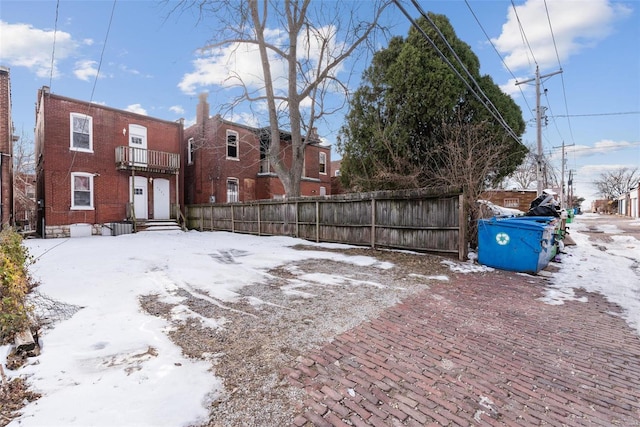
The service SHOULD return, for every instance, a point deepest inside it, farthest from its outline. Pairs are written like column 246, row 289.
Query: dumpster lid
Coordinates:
column 515, row 223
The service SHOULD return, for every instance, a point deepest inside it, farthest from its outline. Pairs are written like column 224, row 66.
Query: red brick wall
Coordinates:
column 500, row 198
column 111, row 186
column 6, row 148
column 208, row 174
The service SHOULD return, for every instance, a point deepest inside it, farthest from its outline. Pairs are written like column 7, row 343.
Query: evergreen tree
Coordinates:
column 408, row 96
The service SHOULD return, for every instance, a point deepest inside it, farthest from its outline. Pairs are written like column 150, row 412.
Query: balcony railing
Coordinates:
column 132, row 158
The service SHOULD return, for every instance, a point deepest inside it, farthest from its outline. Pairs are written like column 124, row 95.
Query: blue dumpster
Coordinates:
column 523, row 244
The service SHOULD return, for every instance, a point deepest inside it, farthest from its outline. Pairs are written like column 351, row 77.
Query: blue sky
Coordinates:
column 149, row 62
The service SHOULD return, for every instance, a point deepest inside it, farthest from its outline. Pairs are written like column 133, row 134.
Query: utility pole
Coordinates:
column 563, row 200
column 539, row 122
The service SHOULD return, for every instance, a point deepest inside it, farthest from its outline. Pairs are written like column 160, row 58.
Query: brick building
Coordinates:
column 7, row 139
column 24, row 201
column 98, row 165
column 514, row 199
column 226, row 162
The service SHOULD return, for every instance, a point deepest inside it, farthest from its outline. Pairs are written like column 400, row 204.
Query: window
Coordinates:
column 190, row 150
column 81, row 191
column 232, row 190
column 323, row 163
column 232, row 144
column 81, row 132
column 511, row 203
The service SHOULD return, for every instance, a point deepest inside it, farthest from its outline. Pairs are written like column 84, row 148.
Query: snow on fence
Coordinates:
column 410, row 219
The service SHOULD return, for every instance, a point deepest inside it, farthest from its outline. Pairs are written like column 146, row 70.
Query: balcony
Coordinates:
column 138, row 159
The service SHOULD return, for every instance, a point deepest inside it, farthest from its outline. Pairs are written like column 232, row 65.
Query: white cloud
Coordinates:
column 513, row 90
column 601, row 147
column 21, row 45
column 239, row 64
column 176, row 109
column 86, row 70
column 129, row 70
column 136, row 108
column 245, row 119
column 577, row 24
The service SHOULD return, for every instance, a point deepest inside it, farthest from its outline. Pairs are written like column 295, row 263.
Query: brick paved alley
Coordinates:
column 478, row 350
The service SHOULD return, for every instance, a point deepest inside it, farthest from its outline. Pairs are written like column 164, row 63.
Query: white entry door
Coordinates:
column 139, row 197
column 161, row 205
column 138, row 145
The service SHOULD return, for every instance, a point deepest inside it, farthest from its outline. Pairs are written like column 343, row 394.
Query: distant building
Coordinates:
column 336, row 184
column 513, row 199
column 603, row 206
column 226, row 162
column 7, row 139
column 98, row 165
column 24, row 194
column 629, row 203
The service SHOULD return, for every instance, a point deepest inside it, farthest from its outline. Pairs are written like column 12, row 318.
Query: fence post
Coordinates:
column 233, row 222
column 259, row 206
column 297, row 221
column 317, row 221
column 373, row 221
column 462, row 233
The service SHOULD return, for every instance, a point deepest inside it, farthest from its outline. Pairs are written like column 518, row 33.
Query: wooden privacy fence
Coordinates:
column 411, row 219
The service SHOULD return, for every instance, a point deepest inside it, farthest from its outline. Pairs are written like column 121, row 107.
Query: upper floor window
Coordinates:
column 190, row 151
column 81, row 132
column 232, row 144
column 323, row 163
column 232, row 190
column 81, row 190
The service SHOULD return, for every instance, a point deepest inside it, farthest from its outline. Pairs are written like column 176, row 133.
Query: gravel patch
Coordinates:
column 301, row 306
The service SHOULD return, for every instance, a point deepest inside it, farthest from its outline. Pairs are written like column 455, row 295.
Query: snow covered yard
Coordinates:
column 189, row 328
column 216, row 295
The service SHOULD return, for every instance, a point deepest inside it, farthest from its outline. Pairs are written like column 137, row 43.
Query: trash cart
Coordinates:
column 522, row 244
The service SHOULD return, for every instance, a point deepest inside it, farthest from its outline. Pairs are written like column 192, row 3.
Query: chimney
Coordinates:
column 202, row 111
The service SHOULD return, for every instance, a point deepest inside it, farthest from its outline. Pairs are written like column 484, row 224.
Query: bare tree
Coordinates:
column 615, row 183
column 24, row 180
column 302, row 46
column 525, row 175
column 466, row 159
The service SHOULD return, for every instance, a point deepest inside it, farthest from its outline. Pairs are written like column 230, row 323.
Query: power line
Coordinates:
column 600, row 114
column 495, row 114
column 498, row 53
column 104, row 46
column 609, row 148
column 564, row 91
column 53, row 51
column 522, row 33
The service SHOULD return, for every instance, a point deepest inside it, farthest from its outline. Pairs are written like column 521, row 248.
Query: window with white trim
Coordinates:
column 190, row 151
column 232, row 190
column 323, row 163
column 232, row 145
column 81, row 132
column 81, row 191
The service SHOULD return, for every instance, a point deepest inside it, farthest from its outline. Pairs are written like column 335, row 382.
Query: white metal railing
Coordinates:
column 138, row 157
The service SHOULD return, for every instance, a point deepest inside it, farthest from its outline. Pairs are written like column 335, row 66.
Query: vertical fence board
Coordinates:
column 411, row 219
